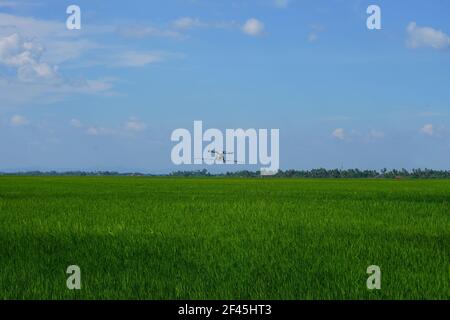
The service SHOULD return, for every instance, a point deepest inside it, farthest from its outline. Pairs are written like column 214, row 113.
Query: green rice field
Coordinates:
column 217, row 238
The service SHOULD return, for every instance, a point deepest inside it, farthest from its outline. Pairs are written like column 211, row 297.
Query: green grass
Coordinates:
column 148, row 238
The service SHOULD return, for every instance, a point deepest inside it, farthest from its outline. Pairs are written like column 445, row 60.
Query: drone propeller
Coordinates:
column 222, row 161
column 213, row 151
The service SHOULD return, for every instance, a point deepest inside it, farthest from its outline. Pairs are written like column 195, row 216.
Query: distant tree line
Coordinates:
column 356, row 174
column 73, row 173
column 314, row 173
column 330, row 174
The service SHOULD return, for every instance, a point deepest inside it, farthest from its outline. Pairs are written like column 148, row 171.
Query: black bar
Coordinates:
column 228, row 309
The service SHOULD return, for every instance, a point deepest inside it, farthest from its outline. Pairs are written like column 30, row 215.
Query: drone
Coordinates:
column 220, row 156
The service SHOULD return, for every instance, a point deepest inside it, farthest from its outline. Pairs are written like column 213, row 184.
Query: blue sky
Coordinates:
column 108, row 96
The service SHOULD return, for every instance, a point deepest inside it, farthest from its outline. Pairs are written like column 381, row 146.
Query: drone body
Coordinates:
column 220, row 155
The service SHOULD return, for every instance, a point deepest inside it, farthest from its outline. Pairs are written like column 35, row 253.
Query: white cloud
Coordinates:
column 374, row 134
column 188, row 23
column 134, row 124
column 91, row 86
column 17, row 3
column 135, row 59
column 32, row 65
column 147, row 31
column 177, row 28
column 67, row 50
column 313, row 35
column 20, row 93
column 427, row 129
column 355, row 136
column 430, row 114
column 18, row 120
column 76, row 123
column 339, row 133
column 32, row 28
column 100, row 131
column 47, row 29
column 58, row 45
column 52, row 42
column 253, row 27
column 426, row 37
column 337, row 118
column 281, row 3
column 25, row 58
